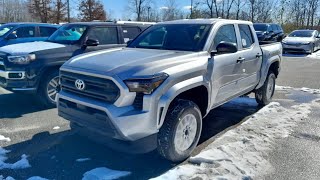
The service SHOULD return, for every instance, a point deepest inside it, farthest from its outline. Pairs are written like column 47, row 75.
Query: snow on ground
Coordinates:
column 7, row 178
column 240, row 152
column 56, row 128
column 83, row 159
column 2, row 138
column 36, row 178
column 21, row 164
column 103, row 173
column 312, row 91
column 279, row 88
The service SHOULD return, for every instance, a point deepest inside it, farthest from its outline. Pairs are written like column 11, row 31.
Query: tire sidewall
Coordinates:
column 268, row 99
column 190, row 108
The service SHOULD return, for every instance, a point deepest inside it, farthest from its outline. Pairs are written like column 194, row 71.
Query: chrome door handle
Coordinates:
column 258, row 55
column 240, row 59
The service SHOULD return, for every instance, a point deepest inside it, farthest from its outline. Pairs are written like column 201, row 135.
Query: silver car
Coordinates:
column 301, row 41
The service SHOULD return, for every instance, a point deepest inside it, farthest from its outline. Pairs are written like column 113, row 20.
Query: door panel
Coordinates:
column 225, row 68
column 251, row 52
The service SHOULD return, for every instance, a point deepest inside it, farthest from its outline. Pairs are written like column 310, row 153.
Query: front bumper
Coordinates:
column 15, row 81
column 121, row 123
column 297, row 48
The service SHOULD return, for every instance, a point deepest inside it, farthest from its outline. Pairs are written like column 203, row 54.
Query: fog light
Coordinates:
column 16, row 75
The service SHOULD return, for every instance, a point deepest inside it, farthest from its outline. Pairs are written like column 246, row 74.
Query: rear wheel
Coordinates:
column 49, row 89
column 265, row 93
column 181, row 131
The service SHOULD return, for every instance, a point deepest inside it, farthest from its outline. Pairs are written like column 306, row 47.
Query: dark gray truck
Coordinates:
column 155, row 92
column 34, row 67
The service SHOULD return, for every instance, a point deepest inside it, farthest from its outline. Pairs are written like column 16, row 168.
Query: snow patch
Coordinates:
column 2, row 138
column 21, row 164
column 36, row 178
column 280, row 88
column 56, row 128
column 83, row 159
column 8, row 178
column 240, row 152
column 103, row 173
column 312, row 91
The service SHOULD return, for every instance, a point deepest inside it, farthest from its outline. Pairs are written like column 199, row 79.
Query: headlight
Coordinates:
column 146, row 84
column 305, row 43
column 22, row 59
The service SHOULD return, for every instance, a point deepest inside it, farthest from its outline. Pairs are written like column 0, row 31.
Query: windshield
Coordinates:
column 260, row 27
column 68, row 34
column 4, row 29
column 301, row 34
column 182, row 37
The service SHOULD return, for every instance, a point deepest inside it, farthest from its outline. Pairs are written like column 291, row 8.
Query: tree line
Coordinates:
column 291, row 14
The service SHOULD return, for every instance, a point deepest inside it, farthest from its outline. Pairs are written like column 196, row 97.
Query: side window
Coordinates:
column 130, row 33
column 46, row 31
column 25, row 32
column 226, row 33
column 105, row 35
column 246, row 35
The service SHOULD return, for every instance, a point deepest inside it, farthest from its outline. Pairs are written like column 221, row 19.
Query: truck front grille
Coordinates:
column 95, row 87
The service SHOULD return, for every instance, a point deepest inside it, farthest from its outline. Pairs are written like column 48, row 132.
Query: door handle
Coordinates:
column 240, row 59
column 258, row 55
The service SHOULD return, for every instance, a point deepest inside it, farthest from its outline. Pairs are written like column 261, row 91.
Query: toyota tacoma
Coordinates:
column 154, row 93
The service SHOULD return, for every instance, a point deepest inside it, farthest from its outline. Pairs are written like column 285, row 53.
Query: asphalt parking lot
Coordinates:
column 53, row 149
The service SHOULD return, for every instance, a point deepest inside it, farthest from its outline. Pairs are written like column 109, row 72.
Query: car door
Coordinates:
column 250, row 51
column 23, row 34
column 108, row 37
column 226, row 71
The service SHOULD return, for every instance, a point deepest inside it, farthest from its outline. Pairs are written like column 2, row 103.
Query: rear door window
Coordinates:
column 105, row 35
column 25, row 32
column 246, row 35
column 46, row 31
column 130, row 33
column 226, row 33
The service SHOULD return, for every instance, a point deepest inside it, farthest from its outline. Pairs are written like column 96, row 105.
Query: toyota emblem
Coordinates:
column 80, row 84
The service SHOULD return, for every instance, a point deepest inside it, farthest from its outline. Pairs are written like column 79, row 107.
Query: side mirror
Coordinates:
column 92, row 42
column 12, row 36
column 225, row 48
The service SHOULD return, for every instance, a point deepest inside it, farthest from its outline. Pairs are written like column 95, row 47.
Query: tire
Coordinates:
column 183, row 121
column 49, row 88
column 264, row 94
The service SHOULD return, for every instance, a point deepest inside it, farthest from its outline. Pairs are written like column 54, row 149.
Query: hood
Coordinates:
column 129, row 62
column 298, row 40
column 26, row 48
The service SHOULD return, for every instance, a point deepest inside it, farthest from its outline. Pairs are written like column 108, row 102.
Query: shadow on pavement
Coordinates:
column 53, row 156
column 15, row 105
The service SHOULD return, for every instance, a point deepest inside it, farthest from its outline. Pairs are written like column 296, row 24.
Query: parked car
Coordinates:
column 14, row 33
column 301, row 41
column 269, row 32
column 155, row 93
column 34, row 67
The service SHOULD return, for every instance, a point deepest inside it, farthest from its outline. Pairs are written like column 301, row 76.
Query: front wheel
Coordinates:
column 265, row 93
column 49, row 89
column 181, row 131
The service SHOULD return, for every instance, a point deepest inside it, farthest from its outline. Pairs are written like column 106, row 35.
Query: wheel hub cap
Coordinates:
column 53, row 88
column 185, row 132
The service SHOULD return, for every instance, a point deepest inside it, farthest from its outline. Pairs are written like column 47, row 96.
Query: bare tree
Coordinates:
column 170, row 11
column 40, row 9
column 138, row 7
column 59, row 11
column 90, row 10
column 13, row 11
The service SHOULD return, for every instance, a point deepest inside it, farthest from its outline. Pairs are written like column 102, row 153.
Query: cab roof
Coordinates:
column 204, row 21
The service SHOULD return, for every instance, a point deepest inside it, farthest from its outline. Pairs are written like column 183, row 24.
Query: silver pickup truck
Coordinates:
column 154, row 93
